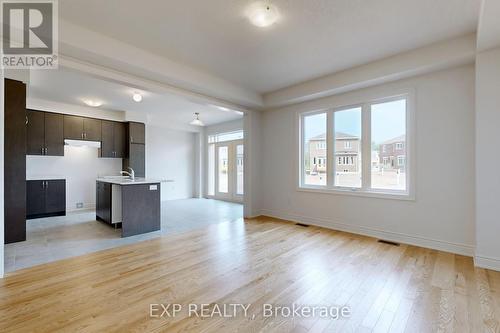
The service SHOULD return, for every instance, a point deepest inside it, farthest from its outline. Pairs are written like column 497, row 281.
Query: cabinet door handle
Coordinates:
column 46, row 151
column 42, row 150
column 27, row 120
column 47, row 184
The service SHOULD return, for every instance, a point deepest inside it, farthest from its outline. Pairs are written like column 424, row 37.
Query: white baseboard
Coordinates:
column 76, row 210
column 488, row 263
column 435, row 244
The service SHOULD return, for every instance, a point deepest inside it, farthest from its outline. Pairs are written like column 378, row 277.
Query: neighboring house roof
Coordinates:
column 401, row 138
column 338, row 135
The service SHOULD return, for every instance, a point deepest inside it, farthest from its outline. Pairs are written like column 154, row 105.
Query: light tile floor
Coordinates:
column 55, row 238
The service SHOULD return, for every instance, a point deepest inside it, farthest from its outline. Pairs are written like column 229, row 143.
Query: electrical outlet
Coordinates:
column 79, row 205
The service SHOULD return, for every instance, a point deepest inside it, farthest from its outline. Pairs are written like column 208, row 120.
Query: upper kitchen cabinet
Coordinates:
column 136, row 149
column 45, row 134
column 91, row 129
column 54, row 134
column 73, row 127
column 113, row 142
column 120, row 134
column 137, row 133
column 81, row 128
column 35, row 139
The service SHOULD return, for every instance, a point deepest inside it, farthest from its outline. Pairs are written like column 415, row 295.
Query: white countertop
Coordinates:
column 127, row 181
column 53, row 177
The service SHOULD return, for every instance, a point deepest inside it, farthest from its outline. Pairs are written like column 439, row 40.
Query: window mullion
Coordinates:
column 366, row 147
column 330, row 166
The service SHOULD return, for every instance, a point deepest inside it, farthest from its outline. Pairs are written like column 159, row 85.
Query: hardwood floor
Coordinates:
column 261, row 261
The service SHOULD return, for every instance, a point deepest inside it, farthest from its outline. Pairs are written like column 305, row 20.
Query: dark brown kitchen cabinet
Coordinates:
column 45, row 134
column 113, row 142
column 92, row 129
column 120, row 133
column 103, row 202
column 35, row 140
column 137, row 133
column 14, row 161
column 54, row 134
column 45, row 198
column 108, row 141
column 136, row 159
column 81, row 128
column 73, row 127
column 136, row 149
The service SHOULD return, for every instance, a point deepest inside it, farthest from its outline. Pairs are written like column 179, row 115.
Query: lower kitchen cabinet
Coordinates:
column 103, row 202
column 45, row 198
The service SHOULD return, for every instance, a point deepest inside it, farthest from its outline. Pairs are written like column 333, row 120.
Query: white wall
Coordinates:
column 488, row 159
column 442, row 216
column 170, row 156
column 80, row 166
column 228, row 126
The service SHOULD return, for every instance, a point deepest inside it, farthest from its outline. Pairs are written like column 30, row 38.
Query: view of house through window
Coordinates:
column 347, row 136
column 315, row 148
column 386, row 130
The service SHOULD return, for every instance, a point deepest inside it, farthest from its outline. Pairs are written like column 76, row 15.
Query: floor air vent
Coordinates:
column 301, row 225
column 388, row 242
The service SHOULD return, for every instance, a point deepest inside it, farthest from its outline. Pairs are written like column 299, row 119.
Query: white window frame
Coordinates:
column 366, row 165
column 399, row 146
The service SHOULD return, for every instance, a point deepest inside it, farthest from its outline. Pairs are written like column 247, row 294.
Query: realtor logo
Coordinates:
column 29, row 34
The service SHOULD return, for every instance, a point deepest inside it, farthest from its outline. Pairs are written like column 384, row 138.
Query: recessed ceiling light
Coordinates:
column 262, row 14
column 92, row 102
column 196, row 121
column 137, row 97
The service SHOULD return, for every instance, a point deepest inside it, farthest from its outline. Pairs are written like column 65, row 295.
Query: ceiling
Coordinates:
column 313, row 38
column 71, row 87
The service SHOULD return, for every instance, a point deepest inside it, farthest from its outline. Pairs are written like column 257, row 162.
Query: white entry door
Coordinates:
column 229, row 161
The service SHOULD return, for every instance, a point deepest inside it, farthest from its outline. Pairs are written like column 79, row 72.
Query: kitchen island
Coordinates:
column 132, row 204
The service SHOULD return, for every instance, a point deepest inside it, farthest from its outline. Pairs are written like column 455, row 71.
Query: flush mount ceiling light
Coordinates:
column 137, row 97
column 196, row 121
column 262, row 14
column 92, row 102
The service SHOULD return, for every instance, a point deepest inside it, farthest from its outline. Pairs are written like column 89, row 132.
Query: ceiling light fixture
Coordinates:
column 137, row 97
column 196, row 121
column 262, row 14
column 92, row 103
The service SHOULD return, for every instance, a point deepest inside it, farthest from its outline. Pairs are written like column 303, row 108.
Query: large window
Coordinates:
column 388, row 129
column 314, row 146
column 347, row 136
column 360, row 149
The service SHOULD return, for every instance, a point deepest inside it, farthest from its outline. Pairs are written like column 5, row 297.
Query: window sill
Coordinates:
column 358, row 193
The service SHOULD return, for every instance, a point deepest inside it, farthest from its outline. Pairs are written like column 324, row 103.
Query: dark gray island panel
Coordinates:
column 141, row 209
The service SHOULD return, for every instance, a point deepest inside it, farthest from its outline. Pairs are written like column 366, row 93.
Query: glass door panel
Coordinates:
column 239, row 169
column 223, row 169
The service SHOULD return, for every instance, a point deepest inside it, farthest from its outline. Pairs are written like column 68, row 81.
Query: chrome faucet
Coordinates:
column 129, row 173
